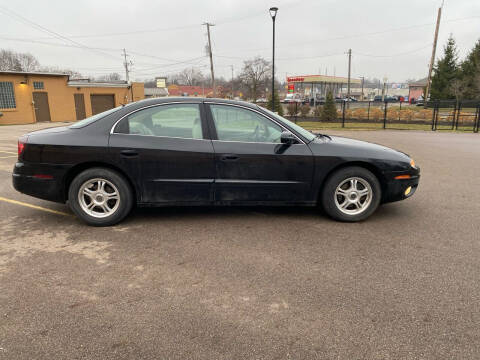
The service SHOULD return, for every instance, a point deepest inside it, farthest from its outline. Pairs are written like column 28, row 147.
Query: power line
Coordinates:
column 395, row 55
column 24, row 20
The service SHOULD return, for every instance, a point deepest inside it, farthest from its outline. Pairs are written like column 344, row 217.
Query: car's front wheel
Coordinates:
column 351, row 194
column 100, row 197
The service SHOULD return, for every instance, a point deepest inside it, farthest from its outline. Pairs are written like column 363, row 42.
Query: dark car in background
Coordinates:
column 194, row 151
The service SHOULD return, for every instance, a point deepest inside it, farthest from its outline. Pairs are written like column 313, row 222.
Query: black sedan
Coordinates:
column 187, row 151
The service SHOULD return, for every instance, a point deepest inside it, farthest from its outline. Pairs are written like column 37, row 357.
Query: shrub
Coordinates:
column 292, row 109
column 360, row 113
column 278, row 106
column 304, row 110
column 317, row 112
column 376, row 114
column 329, row 112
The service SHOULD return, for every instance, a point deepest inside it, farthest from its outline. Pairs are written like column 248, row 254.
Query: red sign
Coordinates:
column 295, row 79
column 291, row 88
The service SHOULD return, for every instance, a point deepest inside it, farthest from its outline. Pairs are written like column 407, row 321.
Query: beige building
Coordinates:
column 28, row 97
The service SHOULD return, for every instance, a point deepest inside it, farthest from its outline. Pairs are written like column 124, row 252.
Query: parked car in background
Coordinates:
column 377, row 98
column 420, row 101
column 195, row 151
column 293, row 98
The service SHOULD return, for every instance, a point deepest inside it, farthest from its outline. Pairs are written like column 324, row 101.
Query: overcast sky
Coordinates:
column 388, row 38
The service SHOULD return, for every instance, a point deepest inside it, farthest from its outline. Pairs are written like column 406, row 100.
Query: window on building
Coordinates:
column 7, row 96
column 38, row 85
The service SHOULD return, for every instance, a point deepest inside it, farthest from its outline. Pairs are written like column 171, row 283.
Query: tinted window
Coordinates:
column 93, row 118
column 238, row 124
column 176, row 120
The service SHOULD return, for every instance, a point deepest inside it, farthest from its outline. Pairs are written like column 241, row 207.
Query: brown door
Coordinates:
column 42, row 111
column 101, row 103
column 79, row 106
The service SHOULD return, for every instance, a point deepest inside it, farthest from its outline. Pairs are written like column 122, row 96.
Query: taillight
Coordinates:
column 22, row 140
column 21, row 147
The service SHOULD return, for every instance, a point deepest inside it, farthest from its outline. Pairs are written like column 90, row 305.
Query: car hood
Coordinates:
column 351, row 148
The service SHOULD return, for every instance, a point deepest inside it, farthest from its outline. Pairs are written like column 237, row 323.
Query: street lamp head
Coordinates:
column 273, row 12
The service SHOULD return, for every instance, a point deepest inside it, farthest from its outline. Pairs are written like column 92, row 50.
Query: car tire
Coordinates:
column 351, row 194
column 100, row 197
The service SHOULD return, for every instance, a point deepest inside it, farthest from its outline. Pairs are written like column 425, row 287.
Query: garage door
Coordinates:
column 101, row 103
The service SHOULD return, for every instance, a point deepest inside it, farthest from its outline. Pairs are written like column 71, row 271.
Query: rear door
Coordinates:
column 42, row 109
column 251, row 163
column 167, row 150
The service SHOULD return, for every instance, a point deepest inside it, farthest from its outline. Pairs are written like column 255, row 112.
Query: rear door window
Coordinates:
column 175, row 120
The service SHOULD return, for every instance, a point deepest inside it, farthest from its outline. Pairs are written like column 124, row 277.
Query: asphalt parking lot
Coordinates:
column 250, row 283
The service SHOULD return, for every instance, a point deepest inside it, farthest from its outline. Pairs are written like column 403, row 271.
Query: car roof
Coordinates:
column 186, row 99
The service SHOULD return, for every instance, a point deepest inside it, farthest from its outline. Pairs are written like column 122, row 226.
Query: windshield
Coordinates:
column 305, row 133
column 93, row 118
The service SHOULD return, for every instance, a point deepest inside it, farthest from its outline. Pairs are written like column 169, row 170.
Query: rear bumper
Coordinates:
column 398, row 189
column 25, row 179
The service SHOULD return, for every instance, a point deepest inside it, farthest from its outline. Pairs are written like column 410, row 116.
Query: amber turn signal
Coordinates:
column 412, row 163
column 401, row 177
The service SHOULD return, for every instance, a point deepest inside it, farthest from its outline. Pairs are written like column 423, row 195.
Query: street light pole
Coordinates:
column 273, row 14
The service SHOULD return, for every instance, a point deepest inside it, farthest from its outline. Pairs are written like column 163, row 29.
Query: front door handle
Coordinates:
column 128, row 153
column 229, row 157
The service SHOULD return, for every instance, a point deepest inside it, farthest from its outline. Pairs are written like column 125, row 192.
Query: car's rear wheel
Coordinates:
column 100, row 197
column 351, row 194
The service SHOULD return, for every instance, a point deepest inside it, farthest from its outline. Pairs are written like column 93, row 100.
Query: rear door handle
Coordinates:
column 229, row 157
column 129, row 153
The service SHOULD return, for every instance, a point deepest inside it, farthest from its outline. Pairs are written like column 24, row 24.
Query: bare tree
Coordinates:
column 190, row 76
column 28, row 62
column 253, row 75
column 55, row 69
column 9, row 61
column 110, row 77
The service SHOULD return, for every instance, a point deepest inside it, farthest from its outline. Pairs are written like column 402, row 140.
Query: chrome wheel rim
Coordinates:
column 99, row 197
column 353, row 196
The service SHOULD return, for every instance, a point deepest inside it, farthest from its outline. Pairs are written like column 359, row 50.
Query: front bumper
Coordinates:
column 396, row 189
column 25, row 181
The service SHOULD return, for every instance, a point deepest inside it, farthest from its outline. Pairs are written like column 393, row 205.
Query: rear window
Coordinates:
column 92, row 119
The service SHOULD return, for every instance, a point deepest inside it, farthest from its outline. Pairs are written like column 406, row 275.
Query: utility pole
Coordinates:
column 363, row 80
column 211, row 57
column 126, row 64
column 349, row 73
column 432, row 59
column 232, row 82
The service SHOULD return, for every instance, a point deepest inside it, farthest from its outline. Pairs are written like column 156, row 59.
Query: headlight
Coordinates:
column 412, row 163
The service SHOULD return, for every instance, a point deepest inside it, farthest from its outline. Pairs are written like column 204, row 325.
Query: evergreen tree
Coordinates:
column 445, row 77
column 470, row 74
column 278, row 105
column 329, row 111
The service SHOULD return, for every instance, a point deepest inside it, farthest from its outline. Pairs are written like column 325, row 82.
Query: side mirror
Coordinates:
column 288, row 138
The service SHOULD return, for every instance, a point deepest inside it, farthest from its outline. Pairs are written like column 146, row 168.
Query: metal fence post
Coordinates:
column 296, row 111
column 454, row 115
column 433, row 116
column 385, row 115
column 343, row 114
column 368, row 112
column 459, row 110
column 476, row 122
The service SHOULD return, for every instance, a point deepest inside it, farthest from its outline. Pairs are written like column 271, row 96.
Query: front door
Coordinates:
column 42, row 110
column 165, row 148
column 252, row 165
